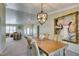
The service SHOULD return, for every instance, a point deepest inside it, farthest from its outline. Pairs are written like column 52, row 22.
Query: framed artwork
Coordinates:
column 67, row 27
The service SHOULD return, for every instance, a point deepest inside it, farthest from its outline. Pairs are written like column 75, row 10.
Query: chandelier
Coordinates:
column 42, row 16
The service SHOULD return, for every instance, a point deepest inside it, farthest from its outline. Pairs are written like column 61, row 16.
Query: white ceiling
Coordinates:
column 33, row 8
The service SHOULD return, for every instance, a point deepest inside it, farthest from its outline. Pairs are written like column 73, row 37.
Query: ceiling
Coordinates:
column 33, row 8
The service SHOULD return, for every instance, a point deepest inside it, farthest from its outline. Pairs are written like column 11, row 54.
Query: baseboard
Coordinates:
column 1, row 51
column 69, row 47
column 73, row 51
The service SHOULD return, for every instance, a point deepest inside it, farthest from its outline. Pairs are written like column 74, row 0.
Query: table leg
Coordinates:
column 59, row 52
column 64, row 52
column 44, row 52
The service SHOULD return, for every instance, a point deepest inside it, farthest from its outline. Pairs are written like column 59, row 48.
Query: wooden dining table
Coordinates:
column 50, row 46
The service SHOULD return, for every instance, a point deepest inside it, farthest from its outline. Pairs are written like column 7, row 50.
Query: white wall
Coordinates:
column 2, row 28
column 18, row 17
column 48, row 27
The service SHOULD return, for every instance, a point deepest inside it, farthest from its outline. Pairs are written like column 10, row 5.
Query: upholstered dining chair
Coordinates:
column 34, row 49
column 55, row 37
column 28, row 45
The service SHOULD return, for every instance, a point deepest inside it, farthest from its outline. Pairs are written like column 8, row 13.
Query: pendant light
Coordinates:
column 42, row 16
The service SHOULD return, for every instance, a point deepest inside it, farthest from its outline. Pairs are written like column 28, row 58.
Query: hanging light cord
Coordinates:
column 41, row 7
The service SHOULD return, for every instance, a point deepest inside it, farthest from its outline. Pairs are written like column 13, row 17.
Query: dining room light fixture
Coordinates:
column 42, row 16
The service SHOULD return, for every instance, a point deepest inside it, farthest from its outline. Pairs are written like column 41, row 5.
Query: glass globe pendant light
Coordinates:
column 42, row 16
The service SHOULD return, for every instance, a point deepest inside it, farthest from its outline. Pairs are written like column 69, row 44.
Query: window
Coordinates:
column 28, row 31
column 25, row 31
column 7, row 29
column 10, row 29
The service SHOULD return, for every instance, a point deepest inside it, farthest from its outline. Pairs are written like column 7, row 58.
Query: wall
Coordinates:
column 2, row 28
column 49, row 26
column 17, row 18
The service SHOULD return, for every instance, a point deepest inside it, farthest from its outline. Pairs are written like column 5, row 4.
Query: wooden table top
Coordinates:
column 50, row 45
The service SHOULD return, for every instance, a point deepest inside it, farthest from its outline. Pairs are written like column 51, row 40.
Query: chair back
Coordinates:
column 55, row 37
column 35, row 49
column 29, row 41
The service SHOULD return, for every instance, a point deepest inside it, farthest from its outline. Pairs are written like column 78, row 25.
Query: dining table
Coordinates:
column 50, row 46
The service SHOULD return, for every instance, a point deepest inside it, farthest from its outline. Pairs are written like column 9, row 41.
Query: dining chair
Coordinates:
column 28, row 45
column 55, row 37
column 34, row 49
